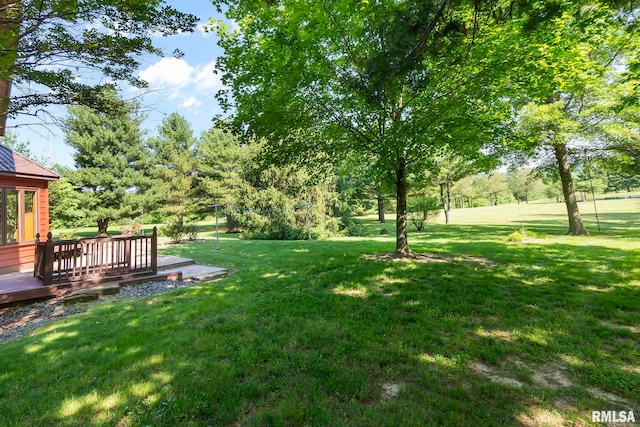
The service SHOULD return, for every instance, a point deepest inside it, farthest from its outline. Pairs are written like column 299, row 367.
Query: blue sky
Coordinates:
column 186, row 86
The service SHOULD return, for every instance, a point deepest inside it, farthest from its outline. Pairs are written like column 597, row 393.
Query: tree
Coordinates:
column 449, row 169
column 493, row 187
column 573, row 51
column 358, row 180
column 109, row 157
column 50, row 51
column 174, row 166
column 423, row 209
column 65, row 204
column 524, row 184
column 393, row 80
column 226, row 163
column 10, row 140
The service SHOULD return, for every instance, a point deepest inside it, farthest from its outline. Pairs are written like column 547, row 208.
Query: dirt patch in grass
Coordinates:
column 549, row 375
column 496, row 376
column 389, row 391
column 422, row 258
column 349, row 292
column 538, row 417
column 610, row 397
column 612, row 325
column 630, row 368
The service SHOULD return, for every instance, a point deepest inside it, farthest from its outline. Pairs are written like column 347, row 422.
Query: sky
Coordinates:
column 186, row 86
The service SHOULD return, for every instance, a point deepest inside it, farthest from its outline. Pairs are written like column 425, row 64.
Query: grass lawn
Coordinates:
column 314, row 333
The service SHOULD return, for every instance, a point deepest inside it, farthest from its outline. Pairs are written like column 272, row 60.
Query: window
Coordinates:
column 18, row 215
column 12, row 228
column 30, row 224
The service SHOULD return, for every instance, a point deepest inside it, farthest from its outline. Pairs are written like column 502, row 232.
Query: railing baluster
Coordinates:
column 79, row 260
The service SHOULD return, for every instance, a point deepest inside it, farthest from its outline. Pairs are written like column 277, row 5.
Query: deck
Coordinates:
column 23, row 287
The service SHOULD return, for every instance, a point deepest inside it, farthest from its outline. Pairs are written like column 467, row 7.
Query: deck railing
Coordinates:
column 94, row 260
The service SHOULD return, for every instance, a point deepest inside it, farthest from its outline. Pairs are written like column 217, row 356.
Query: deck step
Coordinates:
column 202, row 273
column 92, row 293
column 170, row 262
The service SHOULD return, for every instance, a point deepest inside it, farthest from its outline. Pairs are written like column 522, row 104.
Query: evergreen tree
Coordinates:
column 109, row 158
column 174, row 166
column 226, row 164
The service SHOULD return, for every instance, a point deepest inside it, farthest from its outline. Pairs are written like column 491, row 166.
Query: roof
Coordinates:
column 15, row 164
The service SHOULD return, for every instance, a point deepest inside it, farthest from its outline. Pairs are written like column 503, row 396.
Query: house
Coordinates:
column 24, row 209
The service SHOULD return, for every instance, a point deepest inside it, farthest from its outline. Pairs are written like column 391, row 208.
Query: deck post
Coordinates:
column 154, row 251
column 47, row 277
column 127, row 253
column 37, row 260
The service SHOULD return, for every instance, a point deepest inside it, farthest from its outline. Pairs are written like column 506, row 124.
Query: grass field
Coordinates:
column 483, row 333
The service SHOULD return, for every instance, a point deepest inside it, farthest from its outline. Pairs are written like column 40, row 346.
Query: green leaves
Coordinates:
column 108, row 153
column 174, row 161
column 58, row 44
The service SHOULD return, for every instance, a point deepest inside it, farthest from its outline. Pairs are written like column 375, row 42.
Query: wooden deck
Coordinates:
column 16, row 287
column 23, row 287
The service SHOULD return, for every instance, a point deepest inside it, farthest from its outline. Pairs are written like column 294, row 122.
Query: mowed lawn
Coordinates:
column 484, row 333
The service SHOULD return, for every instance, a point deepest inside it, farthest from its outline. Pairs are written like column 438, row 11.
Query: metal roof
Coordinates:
column 15, row 164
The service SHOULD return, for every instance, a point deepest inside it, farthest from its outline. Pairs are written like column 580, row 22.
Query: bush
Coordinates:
column 130, row 228
column 353, row 227
column 192, row 231
column 423, row 209
column 520, row 235
column 174, row 230
column 67, row 235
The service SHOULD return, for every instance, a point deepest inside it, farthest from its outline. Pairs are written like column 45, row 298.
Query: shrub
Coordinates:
column 66, row 235
column 130, row 228
column 520, row 235
column 423, row 209
column 353, row 227
column 192, row 231
column 174, row 230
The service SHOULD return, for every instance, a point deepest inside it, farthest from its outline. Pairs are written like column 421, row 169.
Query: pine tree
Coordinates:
column 109, row 159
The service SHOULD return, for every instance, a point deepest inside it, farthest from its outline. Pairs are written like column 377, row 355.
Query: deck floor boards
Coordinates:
column 20, row 287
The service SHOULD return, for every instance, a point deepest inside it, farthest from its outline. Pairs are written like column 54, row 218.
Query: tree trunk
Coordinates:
column 576, row 227
column 446, row 202
column 5, row 96
column 402, row 245
column 9, row 29
column 380, row 198
column 233, row 225
column 103, row 224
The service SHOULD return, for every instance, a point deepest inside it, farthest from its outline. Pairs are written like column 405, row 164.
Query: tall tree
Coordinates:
column 47, row 47
column 174, row 164
column 449, row 168
column 226, row 163
column 572, row 49
column 395, row 80
column 109, row 158
column 524, row 184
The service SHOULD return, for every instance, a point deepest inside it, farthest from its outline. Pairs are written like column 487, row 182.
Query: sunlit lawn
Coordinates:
column 313, row 333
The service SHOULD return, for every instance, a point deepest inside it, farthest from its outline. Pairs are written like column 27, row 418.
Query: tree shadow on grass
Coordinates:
column 312, row 333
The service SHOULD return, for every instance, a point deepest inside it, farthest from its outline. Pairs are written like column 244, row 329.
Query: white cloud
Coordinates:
column 206, row 80
column 202, row 27
column 168, row 72
column 191, row 102
column 177, row 74
column 178, row 84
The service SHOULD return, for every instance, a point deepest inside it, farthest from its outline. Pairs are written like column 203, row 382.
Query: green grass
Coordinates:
column 312, row 333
